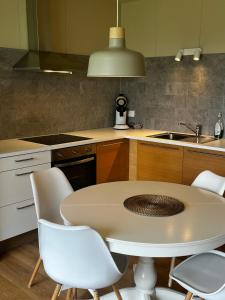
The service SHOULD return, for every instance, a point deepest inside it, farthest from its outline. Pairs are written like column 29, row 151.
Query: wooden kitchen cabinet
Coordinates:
column 197, row 160
column 113, row 161
column 67, row 26
column 159, row 162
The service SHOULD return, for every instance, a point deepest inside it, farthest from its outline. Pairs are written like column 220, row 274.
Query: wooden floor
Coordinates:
column 17, row 264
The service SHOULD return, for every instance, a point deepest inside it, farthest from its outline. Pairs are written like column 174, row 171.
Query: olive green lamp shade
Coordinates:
column 117, row 60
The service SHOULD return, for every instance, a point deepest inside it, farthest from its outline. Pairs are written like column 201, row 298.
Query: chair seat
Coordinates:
column 204, row 272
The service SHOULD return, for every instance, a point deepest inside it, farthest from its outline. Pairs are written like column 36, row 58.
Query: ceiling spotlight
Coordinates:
column 197, row 54
column 179, row 55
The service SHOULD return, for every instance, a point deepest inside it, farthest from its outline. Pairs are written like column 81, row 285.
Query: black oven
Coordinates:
column 77, row 163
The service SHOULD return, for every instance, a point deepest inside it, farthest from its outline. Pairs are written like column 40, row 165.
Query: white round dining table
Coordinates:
column 199, row 227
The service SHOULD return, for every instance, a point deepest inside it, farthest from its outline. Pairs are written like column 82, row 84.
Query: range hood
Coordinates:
column 45, row 61
column 41, row 61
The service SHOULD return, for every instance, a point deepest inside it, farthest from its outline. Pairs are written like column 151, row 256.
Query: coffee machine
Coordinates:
column 121, row 112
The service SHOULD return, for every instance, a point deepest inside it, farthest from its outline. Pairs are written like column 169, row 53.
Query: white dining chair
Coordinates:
column 209, row 181
column 49, row 188
column 202, row 275
column 77, row 256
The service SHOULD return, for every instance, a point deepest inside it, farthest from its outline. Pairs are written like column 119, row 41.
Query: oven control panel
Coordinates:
column 71, row 152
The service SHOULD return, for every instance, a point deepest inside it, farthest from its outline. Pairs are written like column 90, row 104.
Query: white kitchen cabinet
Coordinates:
column 17, row 212
column 17, row 218
column 24, row 160
column 15, row 184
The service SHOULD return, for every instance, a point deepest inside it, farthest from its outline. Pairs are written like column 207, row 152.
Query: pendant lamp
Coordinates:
column 117, row 60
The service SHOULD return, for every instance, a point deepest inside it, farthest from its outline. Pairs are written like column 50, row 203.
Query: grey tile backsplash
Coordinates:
column 41, row 103
column 172, row 91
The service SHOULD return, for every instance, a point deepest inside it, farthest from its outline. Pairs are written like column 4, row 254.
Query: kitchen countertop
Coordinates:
column 12, row 147
column 104, row 134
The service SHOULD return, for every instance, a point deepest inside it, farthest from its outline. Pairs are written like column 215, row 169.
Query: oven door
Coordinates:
column 80, row 172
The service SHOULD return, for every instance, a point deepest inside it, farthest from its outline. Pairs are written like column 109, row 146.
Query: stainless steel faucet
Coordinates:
column 196, row 130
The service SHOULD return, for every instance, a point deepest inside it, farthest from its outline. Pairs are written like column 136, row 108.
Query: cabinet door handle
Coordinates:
column 207, row 153
column 112, row 144
column 25, row 173
column 25, row 206
column 24, row 159
column 160, row 146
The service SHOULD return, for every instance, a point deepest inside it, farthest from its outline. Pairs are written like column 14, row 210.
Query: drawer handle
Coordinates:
column 25, row 206
column 112, row 144
column 160, row 146
column 24, row 159
column 78, row 162
column 207, row 153
column 24, row 174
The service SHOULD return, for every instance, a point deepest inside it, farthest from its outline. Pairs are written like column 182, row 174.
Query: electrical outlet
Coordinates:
column 131, row 113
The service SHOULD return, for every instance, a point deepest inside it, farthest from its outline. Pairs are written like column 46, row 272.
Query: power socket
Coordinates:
column 131, row 113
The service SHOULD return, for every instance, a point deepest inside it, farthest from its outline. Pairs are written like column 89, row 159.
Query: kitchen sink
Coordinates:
column 188, row 138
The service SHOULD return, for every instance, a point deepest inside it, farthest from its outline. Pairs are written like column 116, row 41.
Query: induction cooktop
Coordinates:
column 55, row 139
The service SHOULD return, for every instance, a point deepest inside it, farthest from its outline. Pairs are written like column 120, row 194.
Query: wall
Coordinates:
column 172, row 92
column 38, row 103
column 161, row 27
column 178, row 91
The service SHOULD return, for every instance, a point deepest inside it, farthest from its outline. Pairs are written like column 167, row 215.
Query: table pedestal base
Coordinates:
column 145, row 279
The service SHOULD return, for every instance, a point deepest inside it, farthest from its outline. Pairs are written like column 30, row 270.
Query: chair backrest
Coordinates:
column 210, row 181
column 49, row 187
column 76, row 256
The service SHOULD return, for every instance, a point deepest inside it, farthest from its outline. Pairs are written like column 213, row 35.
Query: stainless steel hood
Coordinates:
column 42, row 61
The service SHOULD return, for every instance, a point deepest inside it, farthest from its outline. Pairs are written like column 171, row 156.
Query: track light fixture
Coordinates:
column 196, row 52
column 179, row 55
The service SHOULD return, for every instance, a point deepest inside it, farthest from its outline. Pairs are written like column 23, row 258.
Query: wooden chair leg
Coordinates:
column 36, row 269
column 117, row 292
column 56, row 292
column 96, row 296
column 172, row 265
column 188, row 296
column 69, row 294
column 74, row 293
